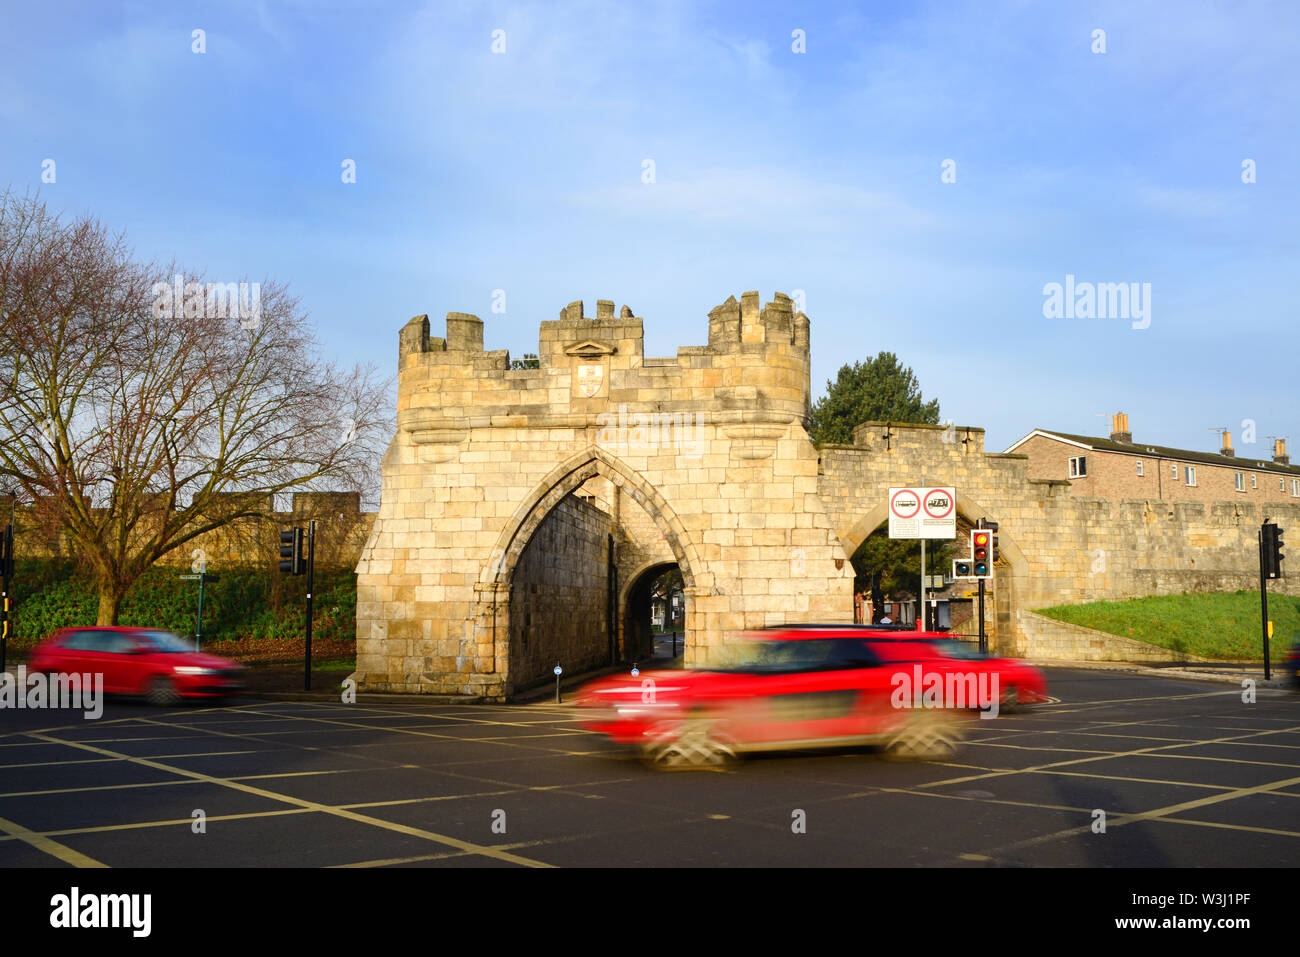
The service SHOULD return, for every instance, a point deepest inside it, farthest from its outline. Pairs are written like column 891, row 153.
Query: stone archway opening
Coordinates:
column 1000, row 597
column 653, row 605
column 574, row 571
column 887, row 574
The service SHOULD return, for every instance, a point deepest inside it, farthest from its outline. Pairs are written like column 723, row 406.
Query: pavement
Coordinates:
column 1228, row 672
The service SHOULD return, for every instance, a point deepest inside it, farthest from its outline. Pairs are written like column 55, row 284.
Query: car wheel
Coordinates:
column 162, row 693
column 695, row 747
column 927, row 736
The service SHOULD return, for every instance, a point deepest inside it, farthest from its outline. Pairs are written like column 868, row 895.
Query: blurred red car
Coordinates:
column 141, row 661
column 785, row 689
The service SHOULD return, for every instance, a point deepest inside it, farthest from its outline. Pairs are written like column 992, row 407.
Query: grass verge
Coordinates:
column 1223, row 625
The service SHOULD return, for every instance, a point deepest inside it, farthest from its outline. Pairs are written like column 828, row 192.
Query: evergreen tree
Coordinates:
column 878, row 390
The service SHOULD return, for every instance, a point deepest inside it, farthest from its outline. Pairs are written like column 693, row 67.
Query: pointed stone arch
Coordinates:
column 563, row 480
column 856, row 533
column 1017, row 566
column 495, row 578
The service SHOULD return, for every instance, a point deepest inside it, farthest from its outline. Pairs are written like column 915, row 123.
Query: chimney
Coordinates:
column 1226, row 448
column 1119, row 429
column 1279, row 452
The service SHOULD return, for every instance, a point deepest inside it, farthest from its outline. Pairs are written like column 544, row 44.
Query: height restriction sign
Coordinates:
column 922, row 513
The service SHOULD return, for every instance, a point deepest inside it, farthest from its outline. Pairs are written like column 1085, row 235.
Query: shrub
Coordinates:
column 244, row 602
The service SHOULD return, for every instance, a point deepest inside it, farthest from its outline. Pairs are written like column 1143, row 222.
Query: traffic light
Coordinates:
column 291, row 549
column 992, row 528
column 961, row 568
column 1271, row 550
column 981, row 551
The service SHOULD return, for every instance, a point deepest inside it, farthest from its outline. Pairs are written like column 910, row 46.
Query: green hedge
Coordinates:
column 245, row 602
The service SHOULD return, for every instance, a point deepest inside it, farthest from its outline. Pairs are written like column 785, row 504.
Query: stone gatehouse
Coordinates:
column 525, row 512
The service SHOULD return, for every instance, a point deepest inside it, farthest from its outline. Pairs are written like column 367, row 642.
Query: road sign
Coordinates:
column 922, row 512
column 558, row 670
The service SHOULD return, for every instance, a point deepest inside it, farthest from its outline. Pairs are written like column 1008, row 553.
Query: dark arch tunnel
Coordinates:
column 638, row 634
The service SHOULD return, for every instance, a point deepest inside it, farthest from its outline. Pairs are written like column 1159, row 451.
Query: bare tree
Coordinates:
column 138, row 413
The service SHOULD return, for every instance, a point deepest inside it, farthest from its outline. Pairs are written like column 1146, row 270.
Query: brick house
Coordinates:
column 1119, row 468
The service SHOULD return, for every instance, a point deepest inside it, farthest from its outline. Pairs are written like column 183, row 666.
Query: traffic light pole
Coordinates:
column 311, row 576
column 198, row 622
column 6, row 565
column 921, row 620
column 1263, row 600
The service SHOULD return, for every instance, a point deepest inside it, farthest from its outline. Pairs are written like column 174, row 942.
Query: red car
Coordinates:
column 142, row 661
column 792, row 688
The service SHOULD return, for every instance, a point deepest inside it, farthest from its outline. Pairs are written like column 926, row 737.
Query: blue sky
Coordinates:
column 774, row 170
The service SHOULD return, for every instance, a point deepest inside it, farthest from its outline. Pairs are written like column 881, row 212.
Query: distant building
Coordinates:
column 1119, row 468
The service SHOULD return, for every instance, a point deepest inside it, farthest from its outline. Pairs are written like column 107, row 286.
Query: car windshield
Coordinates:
column 163, row 641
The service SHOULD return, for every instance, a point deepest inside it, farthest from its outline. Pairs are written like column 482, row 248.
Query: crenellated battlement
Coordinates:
column 754, row 366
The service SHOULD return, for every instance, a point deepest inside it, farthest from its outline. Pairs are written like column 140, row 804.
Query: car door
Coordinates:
column 105, row 653
column 85, row 654
column 124, row 662
column 71, row 652
column 827, row 691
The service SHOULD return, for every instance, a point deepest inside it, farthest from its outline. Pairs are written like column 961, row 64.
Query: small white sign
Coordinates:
column 559, row 670
column 922, row 512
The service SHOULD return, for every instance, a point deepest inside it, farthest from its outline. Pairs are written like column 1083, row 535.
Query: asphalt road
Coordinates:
column 1185, row 772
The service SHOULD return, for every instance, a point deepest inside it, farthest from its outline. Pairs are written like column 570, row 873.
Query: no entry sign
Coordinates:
column 922, row 513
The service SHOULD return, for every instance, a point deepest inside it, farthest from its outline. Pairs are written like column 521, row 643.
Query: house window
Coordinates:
column 1139, row 467
column 1281, row 485
column 1240, row 480
column 1295, row 487
column 1173, row 472
column 1079, row 466
column 1252, row 481
column 1191, row 475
